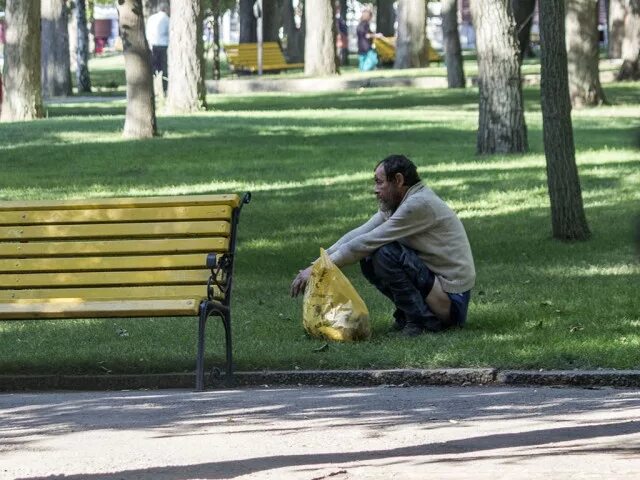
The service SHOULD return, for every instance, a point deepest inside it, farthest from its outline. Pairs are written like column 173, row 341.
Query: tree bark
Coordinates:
column 140, row 119
column 56, row 67
column 319, row 43
column 523, row 15
column 583, row 53
column 452, row 50
column 501, row 123
column 567, row 213
column 385, row 18
column 82, row 71
column 22, row 92
column 630, row 69
column 295, row 36
column 185, row 58
column 411, row 40
column 272, row 20
column 617, row 14
column 248, row 32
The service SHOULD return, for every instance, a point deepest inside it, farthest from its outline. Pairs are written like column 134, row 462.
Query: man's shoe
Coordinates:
column 397, row 326
column 412, row 330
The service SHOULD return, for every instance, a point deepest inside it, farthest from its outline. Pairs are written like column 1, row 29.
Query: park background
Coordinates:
column 308, row 157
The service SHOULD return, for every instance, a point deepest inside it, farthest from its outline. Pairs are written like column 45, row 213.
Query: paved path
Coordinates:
column 323, row 433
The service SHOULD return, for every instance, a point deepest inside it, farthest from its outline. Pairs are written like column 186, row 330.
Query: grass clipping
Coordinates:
column 332, row 309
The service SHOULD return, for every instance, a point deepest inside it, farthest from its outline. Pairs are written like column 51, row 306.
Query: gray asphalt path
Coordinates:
column 323, row 433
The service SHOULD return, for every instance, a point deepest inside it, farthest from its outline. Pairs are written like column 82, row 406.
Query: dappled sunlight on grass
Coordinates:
column 308, row 159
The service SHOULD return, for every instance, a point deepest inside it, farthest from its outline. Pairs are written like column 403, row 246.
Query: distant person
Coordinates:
column 158, row 38
column 367, row 56
column 342, row 37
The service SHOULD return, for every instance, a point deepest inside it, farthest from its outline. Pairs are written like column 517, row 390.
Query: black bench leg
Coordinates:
column 202, row 323
column 207, row 309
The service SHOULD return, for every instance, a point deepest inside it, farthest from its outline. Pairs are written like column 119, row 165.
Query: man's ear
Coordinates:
column 399, row 180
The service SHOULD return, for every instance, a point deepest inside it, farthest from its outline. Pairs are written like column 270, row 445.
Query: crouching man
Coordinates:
column 414, row 250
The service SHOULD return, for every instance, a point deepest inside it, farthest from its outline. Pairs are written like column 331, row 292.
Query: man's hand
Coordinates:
column 300, row 282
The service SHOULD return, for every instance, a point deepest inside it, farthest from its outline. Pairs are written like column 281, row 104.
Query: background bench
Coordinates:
column 121, row 257
column 386, row 48
column 244, row 57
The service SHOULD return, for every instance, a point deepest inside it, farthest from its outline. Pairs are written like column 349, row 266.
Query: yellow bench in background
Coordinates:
column 121, row 257
column 244, row 57
column 386, row 48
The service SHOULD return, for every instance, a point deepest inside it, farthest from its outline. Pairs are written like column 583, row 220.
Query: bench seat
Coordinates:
column 244, row 57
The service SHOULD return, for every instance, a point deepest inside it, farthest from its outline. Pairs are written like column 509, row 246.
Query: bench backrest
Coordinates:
column 117, row 248
column 246, row 54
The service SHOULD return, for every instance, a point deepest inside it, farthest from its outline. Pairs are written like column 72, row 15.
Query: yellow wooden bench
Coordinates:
column 386, row 48
column 121, row 257
column 244, row 57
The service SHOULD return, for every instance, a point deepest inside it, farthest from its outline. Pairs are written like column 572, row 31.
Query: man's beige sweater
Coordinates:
column 424, row 223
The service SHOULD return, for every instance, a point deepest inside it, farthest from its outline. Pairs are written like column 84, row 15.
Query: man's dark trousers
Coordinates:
column 159, row 62
column 402, row 276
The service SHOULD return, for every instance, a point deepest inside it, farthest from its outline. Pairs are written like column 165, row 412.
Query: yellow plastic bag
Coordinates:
column 332, row 308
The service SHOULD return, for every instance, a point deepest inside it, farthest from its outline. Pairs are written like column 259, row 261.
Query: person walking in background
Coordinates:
column 342, row 36
column 367, row 56
column 157, row 32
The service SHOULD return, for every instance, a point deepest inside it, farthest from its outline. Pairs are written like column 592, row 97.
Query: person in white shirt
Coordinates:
column 157, row 32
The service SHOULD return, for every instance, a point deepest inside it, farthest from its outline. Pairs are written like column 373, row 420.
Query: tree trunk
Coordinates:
column 411, row 41
column 385, row 18
column 56, row 67
column 248, row 32
column 140, row 120
column 22, row 93
column 294, row 35
column 272, row 20
column 630, row 69
column 567, row 212
column 215, row 11
column 501, row 124
column 452, row 50
column 185, row 58
column 82, row 71
column 523, row 15
column 583, row 53
column 319, row 43
column 617, row 14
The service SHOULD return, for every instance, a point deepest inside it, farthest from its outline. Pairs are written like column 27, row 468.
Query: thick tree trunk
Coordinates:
column 411, row 40
column 617, row 14
column 501, row 125
column 295, row 36
column 630, row 69
column 185, row 58
column 385, row 18
column 22, row 95
column 523, row 15
column 140, row 120
column 82, row 72
column 583, row 53
column 248, row 32
column 56, row 67
column 567, row 212
column 452, row 50
column 272, row 20
column 319, row 43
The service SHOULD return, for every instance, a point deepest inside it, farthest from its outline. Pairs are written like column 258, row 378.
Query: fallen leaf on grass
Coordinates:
column 323, row 348
column 576, row 328
column 546, row 303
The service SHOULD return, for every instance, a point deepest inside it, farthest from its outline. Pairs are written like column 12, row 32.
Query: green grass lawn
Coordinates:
column 308, row 160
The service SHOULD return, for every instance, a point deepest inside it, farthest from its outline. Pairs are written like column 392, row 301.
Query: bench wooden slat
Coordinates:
column 93, row 264
column 108, row 293
column 114, row 247
column 123, row 202
column 244, row 56
column 104, row 230
column 106, row 215
column 77, row 308
column 92, row 279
